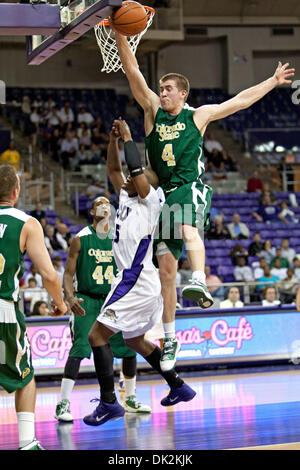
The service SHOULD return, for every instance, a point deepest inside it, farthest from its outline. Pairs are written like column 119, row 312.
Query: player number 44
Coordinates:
column 99, row 277
column 168, row 155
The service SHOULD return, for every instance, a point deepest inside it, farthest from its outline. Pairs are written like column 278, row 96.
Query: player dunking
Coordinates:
column 134, row 303
column 91, row 260
column 174, row 142
column 19, row 233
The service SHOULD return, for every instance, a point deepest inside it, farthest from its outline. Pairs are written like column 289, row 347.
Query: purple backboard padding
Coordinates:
column 27, row 19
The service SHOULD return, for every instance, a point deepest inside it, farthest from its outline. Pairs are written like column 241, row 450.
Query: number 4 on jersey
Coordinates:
column 108, row 275
column 168, row 155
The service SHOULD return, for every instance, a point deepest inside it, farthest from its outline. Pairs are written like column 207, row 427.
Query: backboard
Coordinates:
column 77, row 17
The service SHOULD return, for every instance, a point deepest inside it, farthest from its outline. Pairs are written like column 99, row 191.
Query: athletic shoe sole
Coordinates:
column 197, row 294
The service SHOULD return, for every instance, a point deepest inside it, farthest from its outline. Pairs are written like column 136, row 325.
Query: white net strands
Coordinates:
column 108, row 47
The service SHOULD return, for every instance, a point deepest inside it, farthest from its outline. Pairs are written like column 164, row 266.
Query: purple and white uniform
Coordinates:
column 134, row 304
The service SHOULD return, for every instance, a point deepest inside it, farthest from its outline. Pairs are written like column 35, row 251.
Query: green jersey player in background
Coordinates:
column 20, row 232
column 174, row 138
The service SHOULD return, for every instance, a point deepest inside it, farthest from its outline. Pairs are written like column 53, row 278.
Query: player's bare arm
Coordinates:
column 32, row 240
column 133, row 160
column 114, row 166
column 69, row 273
column 208, row 113
column 146, row 98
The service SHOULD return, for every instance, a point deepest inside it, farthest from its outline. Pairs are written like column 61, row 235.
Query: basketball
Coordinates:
column 130, row 19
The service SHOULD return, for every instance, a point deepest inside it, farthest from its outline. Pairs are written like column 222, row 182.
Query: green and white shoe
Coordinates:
column 169, row 353
column 196, row 291
column 132, row 405
column 63, row 412
column 34, row 445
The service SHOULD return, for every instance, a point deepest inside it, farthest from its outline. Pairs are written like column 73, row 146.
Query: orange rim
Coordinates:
column 150, row 12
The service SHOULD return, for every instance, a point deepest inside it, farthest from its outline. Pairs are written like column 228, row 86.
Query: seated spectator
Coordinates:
column 63, row 235
column 40, row 308
column 49, row 104
column 237, row 229
column 96, row 155
column 254, row 184
column 259, row 270
column 68, row 149
column 215, row 212
column 85, row 116
column 267, row 192
column 34, row 274
column 268, row 212
column 214, row 284
column 218, row 231
column 289, row 287
column 277, row 269
column 242, row 272
column 59, row 267
column 85, row 138
column 266, row 279
column 284, row 263
column 256, row 246
column 286, row 214
column 38, row 213
column 53, row 118
column 51, row 242
column 229, row 162
column 268, row 252
column 66, row 114
column 238, row 251
column 286, row 251
column 81, row 129
column 185, row 271
column 11, row 156
column 212, row 144
column 233, row 299
column 33, row 293
column 95, row 189
column 270, row 297
column 55, row 144
column 296, row 265
column 26, row 106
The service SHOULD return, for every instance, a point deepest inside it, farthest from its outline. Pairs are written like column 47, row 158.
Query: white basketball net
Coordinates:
column 108, row 47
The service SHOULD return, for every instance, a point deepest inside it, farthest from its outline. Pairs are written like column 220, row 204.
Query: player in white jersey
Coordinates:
column 134, row 303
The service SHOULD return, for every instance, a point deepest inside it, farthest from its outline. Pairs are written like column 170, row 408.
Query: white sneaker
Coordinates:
column 62, row 412
column 33, row 445
column 169, row 353
column 132, row 405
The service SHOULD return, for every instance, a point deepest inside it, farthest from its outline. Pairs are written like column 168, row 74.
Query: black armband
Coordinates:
column 133, row 159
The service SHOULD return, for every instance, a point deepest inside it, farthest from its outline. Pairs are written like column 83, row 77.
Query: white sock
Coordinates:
column 25, row 427
column 199, row 276
column 66, row 388
column 169, row 329
column 129, row 385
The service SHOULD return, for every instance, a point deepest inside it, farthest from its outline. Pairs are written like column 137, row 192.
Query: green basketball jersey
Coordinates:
column 11, row 257
column 96, row 266
column 175, row 148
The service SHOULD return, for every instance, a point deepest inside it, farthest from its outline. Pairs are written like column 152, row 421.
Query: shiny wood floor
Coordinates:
column 233, row 411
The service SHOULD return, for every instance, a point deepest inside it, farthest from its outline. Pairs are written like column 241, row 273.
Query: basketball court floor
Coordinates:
column 238, row 409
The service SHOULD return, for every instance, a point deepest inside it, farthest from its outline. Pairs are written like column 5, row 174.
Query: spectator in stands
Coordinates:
column 219, row 173
column 212, row 144
column 217, row 230
column 85, row 116
column 259, row 270
column 69, row 147
column 229, row 162
column 96, row 155
column 286, row 251
column 256, row 246
column 267, row 192
column 296, row 265
column 214, row 284
column 270, row 297
column 38, row 213
column 289, row 287
column 63, row 235
column 66, row 113
column 238, row 251
column 85, row 138
column 81, row 129
column 49, row 104
column 40, row 308
column 268, row 252
column 284, row 262
column 25, row 106
column 51, row 242
column 255, row 184
column 59, row 267
column 214, row 212
column 95, row 189
column 33, row 293
column 101, row 130
column 286, row 214
column 53, row 118
column 277, row 269
column 233, row 299
column 55, row 144
column 266, row 279
column 185, row 271
column 242, row 272
column 35, row 275
column 237, row 229
column 268, row 212
column 11, row 156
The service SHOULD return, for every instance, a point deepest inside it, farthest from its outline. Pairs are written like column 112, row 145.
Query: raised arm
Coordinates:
column 208, row 113
column 114, row 167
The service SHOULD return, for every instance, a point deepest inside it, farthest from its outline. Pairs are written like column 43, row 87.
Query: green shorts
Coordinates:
column 80, row 327
column 16, row 369
column 188, row 204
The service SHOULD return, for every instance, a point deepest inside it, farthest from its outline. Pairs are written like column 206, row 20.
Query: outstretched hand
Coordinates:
column 283, row 73
column 58, row 311
column 122, row 128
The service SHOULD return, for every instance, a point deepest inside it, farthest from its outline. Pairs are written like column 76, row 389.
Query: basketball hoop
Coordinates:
column 107, row 43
